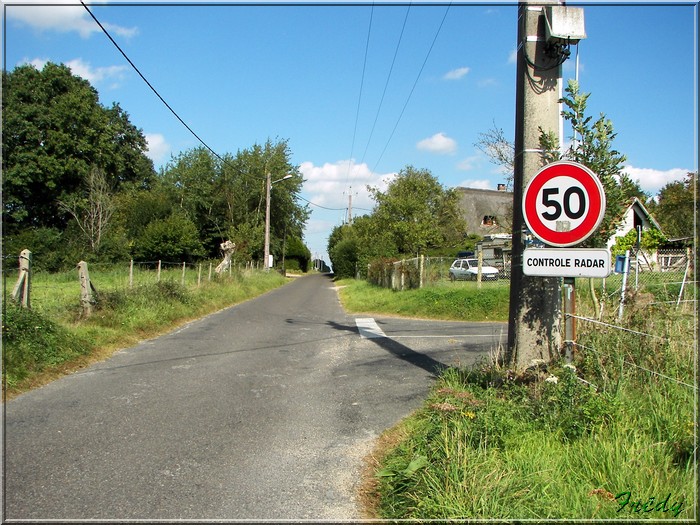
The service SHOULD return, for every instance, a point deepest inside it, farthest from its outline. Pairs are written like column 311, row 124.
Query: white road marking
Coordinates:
column 368, row 328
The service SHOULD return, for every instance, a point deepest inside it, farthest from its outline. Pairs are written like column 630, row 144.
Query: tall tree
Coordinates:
column 419, row 212
column 55, row 132
column 677, row 207
column 592, row 146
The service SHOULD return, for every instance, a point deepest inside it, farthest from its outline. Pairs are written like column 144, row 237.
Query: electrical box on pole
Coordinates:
column 545, row 32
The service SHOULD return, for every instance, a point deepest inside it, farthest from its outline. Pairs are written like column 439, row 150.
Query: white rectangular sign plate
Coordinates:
column 567, row 262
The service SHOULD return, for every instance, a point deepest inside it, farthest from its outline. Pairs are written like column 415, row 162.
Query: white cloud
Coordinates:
column 438, row 143
column 652, row 180
column 482, row 184
column 97, row 74
column 469, row 164
column 63, row 18
column 329, row 185
column 487, row 82
column 456, row 74
column 158, row 147
column 94, row 75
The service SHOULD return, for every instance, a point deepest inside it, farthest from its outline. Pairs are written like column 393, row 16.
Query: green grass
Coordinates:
column 463, row 301
column 55, row 336
column 490, row 444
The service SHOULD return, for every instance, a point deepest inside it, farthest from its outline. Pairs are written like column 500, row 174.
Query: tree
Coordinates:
column 499, row 150
column 55, row 132
column 418, row 212
column 343, row 251
column 225, row 197
column 592, row 146
column 92, row 211
column 676, row 207
column 172, row 239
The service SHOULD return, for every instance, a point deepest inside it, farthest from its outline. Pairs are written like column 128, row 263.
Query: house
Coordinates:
column 486, row 212
column 636, row 215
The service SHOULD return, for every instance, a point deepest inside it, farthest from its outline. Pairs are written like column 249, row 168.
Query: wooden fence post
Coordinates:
column 199, row 275
column 22, row 290
column 86, row 298
column 210, row 265
column 158, row 273
column 131, row 274
column 183, row 274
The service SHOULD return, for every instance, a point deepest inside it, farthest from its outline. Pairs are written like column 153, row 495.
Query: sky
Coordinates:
column 361, row 91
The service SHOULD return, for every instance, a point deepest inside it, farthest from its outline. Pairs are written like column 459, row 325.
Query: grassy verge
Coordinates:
column 612, row 436
column 44, row 343
column 461, row 301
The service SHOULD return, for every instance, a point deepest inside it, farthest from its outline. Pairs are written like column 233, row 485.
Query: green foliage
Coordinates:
column 32, row 342
column 344, row 258
column 651, row 240
column 555, row 443
column 54, row 132
column 380, row 270
column 46, row 245
column 415, row 215
column 419, row 212
column 172, row 239
column 592, row 146
column 570, row 408
column 677, row 206
column 297, row 255
column 77, row 168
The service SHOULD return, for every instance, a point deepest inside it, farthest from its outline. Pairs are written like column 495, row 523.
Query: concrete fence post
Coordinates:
column 21, row 293
column 87, row 300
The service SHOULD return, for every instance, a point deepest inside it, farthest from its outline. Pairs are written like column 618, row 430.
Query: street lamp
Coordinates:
column 268, row 186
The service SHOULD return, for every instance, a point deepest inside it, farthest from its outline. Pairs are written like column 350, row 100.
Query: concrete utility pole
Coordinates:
column 535, row 302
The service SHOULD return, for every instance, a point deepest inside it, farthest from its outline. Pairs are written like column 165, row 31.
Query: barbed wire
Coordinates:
column 654, row 372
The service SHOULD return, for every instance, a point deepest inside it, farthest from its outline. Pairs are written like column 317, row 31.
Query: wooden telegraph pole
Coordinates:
column 534, row 330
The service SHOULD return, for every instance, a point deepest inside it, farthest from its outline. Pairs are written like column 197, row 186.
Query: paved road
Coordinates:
column 261, row 411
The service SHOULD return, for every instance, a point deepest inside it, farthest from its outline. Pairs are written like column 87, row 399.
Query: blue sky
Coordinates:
column 361, row 92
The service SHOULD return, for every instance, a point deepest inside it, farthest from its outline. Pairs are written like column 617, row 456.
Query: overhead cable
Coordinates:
column 386, row 84
column 359, row 98
column 104, row 30
column 420, row 72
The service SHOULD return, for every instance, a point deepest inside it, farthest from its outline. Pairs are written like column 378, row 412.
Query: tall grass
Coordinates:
column 43, row 342
column 611, row 436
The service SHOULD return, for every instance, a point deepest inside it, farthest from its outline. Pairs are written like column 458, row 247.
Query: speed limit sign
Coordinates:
column 564, row 203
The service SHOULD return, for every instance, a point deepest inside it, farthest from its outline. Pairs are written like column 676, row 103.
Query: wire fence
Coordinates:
column 52, row 293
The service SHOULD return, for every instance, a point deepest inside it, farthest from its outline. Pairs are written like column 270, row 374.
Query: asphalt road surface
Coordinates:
column 260, row 411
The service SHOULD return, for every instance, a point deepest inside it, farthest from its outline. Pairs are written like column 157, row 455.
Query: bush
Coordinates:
column 344, row 258
column 174, row 238
column 380, row 270
column 31, row 342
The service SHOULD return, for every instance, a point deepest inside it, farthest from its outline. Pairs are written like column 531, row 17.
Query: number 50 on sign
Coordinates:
column 563, row 204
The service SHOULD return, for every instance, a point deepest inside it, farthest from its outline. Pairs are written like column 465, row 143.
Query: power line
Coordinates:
column 386, row 84
column 319, row 206
column 104, row 30
column 414, row 85
column 359, row 98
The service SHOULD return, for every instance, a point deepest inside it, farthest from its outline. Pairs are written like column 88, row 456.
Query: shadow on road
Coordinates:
column 399, row 350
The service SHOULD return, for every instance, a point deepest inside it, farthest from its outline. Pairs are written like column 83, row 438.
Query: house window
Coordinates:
column 489, row 220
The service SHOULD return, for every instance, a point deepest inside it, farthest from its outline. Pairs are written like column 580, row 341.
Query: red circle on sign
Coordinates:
column 595, row 197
